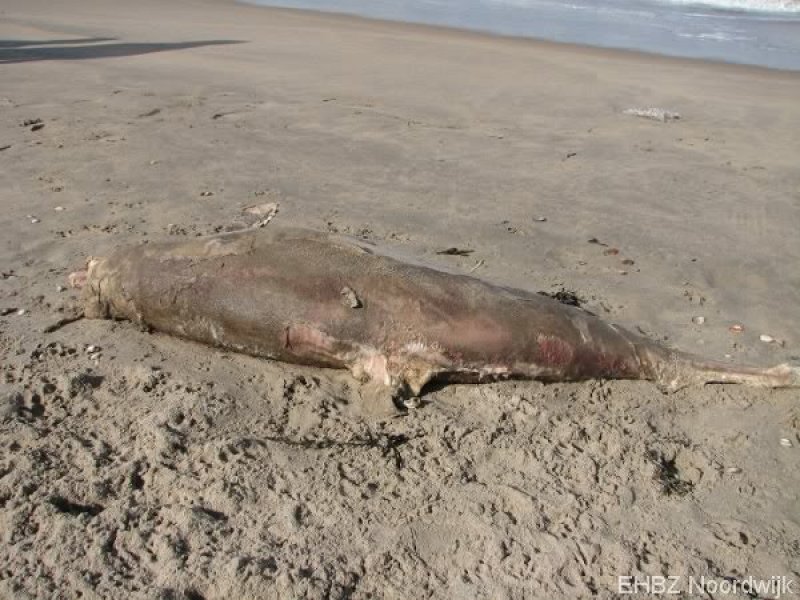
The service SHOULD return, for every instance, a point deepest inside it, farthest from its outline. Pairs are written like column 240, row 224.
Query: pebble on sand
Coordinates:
column 767, row 339
column 786, row 443
column 698, row 320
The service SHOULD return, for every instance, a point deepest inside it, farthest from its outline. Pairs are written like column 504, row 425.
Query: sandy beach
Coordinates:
column 138, row 465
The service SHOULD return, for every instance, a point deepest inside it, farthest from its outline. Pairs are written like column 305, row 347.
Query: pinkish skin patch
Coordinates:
column 77, row 279
column 610, row 365
column 554, row 352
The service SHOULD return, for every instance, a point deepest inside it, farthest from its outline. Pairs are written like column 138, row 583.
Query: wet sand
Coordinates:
column 152, row 467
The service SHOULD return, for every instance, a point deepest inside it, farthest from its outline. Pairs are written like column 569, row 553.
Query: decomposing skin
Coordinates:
column 312, row 298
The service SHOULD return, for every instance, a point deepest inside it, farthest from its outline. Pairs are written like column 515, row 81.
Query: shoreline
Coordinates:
column 489, row 37
column 433, row 27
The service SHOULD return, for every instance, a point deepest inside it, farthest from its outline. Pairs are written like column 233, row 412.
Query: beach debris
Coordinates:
column 60, row 288
column 58, row 208
column 737, row 328
column 611, row 252
column 456, row 251
column 594, row 240
column 698, row 320
column 565, row 296
column 508, row 226
column 173, row 229
column 93, row 351
column 4, row 312
column 412, row 403
column 654, row 114
column 628, row 261
column 219, row 115
column 37, row 127
column 76, row 315
column 767, row 339
column 570, row 155
column 150, row 113
column 264, row 212
column 786, row 443
column 477, row 266
column 6, row 147
column 30, row 122
column 206, row 194
column 153, row 162
column 540, row 219
column 33, row 219
column 350, row 298
column 733, row 470
column 21, row 312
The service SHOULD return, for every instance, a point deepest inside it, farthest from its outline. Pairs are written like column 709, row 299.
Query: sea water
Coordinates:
column 756, row 32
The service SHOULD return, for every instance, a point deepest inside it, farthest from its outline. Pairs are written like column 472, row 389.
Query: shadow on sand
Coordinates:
column 22, row 51
column 22, row 43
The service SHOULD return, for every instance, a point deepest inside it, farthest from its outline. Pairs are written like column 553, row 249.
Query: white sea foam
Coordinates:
column 772, row 7
column 769, row 6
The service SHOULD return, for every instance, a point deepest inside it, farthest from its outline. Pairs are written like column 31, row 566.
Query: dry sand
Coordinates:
column 161, row 469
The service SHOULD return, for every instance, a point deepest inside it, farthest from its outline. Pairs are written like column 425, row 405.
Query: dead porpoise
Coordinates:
column 313, row 298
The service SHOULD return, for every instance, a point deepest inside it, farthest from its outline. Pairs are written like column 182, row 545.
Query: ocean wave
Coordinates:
column 787, row 8
column 760, row 6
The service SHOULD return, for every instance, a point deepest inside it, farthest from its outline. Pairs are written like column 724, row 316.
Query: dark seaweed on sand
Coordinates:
column 667, row 475
column 565, row 296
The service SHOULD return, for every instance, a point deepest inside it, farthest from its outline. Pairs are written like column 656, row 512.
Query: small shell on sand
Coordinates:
column 786, row 443
column 265, row 212
column 767, row 339
column 733, row 470
column 698, row 320
column 736, row 328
